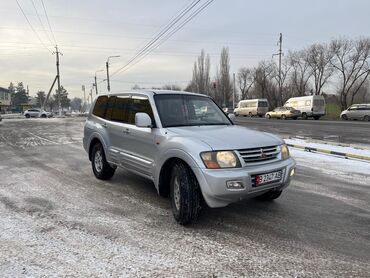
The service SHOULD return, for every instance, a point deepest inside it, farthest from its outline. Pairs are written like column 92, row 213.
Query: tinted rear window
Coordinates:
column 120, row 110
column 100, row 105
column 263, row 104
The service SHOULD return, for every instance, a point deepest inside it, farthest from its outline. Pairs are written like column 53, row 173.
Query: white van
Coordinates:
column 310, row 106
column 252, row 107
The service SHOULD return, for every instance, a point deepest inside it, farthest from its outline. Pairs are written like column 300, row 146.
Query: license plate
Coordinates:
column 268, row 178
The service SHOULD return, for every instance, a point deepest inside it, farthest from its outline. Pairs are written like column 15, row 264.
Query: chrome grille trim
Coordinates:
column 254, row 155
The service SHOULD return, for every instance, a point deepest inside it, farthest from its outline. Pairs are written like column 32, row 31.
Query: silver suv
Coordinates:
column 188, row 147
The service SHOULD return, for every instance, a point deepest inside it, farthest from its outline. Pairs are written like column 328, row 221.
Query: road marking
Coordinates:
column 42, row 138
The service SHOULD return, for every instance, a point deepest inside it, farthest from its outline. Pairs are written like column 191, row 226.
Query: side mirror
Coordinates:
column 143, row 120
column 231, row 116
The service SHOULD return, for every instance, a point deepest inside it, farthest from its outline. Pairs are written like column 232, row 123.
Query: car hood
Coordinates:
column 228, row 137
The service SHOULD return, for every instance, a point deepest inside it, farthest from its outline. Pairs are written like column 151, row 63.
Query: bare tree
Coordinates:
column 319, row 57
column 300, row 73
column 285, row 70
column 223, row 81
column 263, row 73
column 246, row 79
column 172, row 87
column 201, row 80
column 352, row 61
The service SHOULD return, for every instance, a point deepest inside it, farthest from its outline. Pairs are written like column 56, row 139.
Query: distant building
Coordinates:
column 4, row 100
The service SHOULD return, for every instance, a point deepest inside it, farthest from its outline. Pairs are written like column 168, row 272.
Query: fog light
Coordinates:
column 234, row 185
column 292, row 172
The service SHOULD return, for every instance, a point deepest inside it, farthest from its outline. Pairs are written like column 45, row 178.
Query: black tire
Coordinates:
column 270, row 195
column 27, row 116
column 366, row 118
column 304, row 116
column 283, row 117
column 344, row 117
column 43, row 116
column 185, row 194
column 268, row 116
column 250, row 114
column 102, row 170
column 316, row 118
column 294, row 118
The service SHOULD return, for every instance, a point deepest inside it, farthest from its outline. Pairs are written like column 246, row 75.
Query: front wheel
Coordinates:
column 344, row 117
column 101, row 168
column 270, row 195
column 27, row 116
column 185, row 194
column 283, row 117
column 366, row 118
column 268, row 116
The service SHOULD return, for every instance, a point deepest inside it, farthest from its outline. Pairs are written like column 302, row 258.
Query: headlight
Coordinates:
column 284, row 152
column 221, row 159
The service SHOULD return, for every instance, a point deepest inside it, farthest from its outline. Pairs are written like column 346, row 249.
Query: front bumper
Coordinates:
column 213, row 182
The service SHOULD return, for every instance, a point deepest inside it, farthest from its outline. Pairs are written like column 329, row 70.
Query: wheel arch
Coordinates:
column 94, row 140
column 163, row 176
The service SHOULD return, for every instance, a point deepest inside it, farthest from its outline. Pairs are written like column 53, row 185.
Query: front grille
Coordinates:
column 259, row 155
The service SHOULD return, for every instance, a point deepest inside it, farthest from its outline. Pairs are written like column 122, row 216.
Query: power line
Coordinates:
column 189, row 18
column 29, row 23
column 167, row 27
column 42, row 25
column 47, row 18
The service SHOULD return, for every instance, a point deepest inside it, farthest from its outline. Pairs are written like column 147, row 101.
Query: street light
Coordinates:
column 107, row 65
column 96, row 84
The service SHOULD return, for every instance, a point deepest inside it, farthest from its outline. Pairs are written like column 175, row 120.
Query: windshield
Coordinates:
column 189, row 110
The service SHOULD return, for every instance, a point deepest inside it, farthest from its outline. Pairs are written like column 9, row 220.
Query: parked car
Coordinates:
column 38, row 113
column 310, row 106
column 284, row 113
column 252, row 107
column 189, row 156
column 356, row 112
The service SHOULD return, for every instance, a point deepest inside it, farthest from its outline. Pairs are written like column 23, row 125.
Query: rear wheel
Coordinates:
column 366, row 118
column 344, row 117
column 283, row 117
column 101, row 168
column 27, row 116
column 268, row 116
column 43, row 116
column 304, row 116
column 185, row 194
column 270, row 195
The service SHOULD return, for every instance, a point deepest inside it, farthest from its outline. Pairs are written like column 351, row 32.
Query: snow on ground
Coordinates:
column 334, row 165
column 329, row 147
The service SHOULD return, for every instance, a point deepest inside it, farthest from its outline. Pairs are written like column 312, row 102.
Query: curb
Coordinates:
column 344, row 155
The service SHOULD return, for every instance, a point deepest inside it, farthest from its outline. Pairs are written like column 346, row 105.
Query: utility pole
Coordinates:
column 58, row 77
column 95, row 83
column 84, row 103
column 280, row 53
column 233, row 91
column 107, row 66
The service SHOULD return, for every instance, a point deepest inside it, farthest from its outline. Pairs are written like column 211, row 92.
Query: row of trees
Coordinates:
column 20, row 96
column 340, row 67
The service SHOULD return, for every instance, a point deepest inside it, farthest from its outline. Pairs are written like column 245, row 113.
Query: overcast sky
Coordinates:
column 88, row 31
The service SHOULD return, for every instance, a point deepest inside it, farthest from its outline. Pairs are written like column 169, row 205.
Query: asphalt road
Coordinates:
column 349, row 132
column 58, row 220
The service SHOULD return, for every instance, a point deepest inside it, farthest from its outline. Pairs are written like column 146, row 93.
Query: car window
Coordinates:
column 110, row 105
column 139, row 104
column 262, row 104
column 100, row 105
column 120, row 111
column 189, row 110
